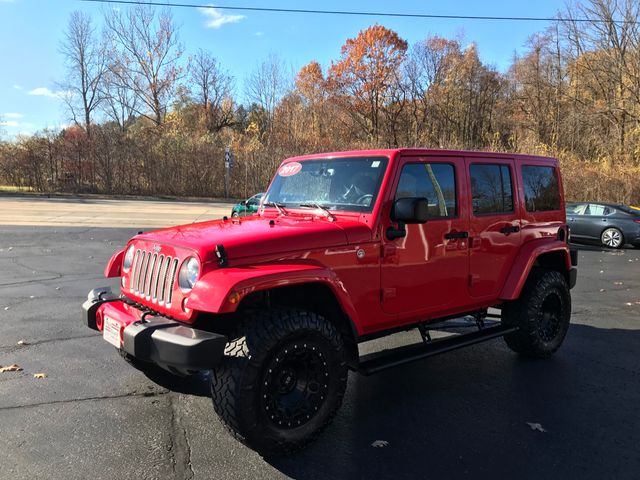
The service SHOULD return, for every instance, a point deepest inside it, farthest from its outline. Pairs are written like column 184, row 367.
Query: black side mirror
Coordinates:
column 410, row 210
column 243, row 202
column 407, row 210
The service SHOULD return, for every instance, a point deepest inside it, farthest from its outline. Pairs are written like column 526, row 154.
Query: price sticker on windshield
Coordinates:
column 289, row 169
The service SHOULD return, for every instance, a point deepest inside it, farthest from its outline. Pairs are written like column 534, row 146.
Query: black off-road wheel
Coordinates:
column 281, row 380
column 542, row 314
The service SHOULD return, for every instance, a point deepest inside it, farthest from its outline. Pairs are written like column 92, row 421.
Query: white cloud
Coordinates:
column 215, row 18
column 17, row 87
column 16, row 124
column 11, row 115
column 258, row 34
column 44, row 92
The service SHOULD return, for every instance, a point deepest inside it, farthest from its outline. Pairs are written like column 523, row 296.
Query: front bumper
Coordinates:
column 154, row 339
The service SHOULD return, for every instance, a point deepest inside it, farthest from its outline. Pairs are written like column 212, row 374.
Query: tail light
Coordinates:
column 637, row 220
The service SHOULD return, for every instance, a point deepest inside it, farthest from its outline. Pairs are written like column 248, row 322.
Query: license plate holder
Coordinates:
column 111, row 331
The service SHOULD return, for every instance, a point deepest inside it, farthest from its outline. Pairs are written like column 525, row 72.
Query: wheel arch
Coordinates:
column 317, row 297
column 541, row 253
column 229, row 290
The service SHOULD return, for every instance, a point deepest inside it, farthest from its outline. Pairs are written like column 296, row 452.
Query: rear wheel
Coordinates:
column 542, row 314
column 612, row 238
column 281, row 380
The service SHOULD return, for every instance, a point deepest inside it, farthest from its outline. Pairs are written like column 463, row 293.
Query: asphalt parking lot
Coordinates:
column 465, row 414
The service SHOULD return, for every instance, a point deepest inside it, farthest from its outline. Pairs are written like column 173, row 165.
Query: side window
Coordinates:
column 541, row 191
column 434, row 181
column 596, row 210
column 491, row 188
column 576, row 209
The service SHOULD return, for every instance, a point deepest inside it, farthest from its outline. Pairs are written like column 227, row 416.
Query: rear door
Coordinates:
column 596, row 220
column 494, row 226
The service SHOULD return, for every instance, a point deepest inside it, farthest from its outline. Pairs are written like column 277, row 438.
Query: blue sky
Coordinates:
column 31, row 31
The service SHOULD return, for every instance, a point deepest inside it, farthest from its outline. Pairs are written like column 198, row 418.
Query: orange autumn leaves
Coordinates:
column 362, row 81
column 364, row 78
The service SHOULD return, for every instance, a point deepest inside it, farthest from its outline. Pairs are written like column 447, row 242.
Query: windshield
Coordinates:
column 349, row 184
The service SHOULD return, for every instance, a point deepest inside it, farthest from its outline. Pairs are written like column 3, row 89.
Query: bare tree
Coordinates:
column 148, row 58
column 86, row 66
column 212, row 89
column 604, row 58
column 267, row 84
column 120, row 103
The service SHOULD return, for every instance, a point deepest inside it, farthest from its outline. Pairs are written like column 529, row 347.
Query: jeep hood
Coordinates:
column 256, row 236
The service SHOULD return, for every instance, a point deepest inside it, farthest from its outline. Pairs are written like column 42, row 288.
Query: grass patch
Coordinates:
column 14, row 189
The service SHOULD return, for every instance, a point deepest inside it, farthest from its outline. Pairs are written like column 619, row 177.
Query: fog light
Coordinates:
column 234, row 297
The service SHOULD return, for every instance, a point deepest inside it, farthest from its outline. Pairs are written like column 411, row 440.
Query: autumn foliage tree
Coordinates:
column 364, row 78
column 157, row 121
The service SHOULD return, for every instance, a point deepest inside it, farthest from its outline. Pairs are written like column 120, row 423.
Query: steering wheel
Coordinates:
column 365, row 199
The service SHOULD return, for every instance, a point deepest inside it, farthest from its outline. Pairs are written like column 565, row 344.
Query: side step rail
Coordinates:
column 378, row 361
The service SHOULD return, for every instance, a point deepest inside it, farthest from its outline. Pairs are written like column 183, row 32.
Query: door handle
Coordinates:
column 510, row 229
column 454, row 235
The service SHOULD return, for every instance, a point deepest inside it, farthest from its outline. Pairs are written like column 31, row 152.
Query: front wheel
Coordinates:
column 281, row 380
column 612, row 238
column 542, row 314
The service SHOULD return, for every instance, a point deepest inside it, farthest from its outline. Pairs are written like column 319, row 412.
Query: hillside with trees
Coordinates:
column 149, row 120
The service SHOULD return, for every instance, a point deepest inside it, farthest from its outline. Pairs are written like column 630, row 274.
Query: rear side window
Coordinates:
column 491, row 188
column 598, row 210
column 541, row 191
column 434, row 181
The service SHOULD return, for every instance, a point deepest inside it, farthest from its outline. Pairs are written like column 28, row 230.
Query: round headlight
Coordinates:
column 189, row 273
column 128, row 259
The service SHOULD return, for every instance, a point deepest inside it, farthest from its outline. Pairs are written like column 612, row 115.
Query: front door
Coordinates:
column 427, row 269
column 576, row 219
column 494, row 226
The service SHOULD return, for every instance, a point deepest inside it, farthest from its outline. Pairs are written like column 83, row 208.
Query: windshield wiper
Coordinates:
column 278, row 207
column 326, row 211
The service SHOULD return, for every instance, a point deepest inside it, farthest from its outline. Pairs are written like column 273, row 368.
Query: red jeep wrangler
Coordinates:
column 346, row 247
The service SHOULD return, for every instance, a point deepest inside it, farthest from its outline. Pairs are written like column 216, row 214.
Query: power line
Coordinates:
column 359, row 13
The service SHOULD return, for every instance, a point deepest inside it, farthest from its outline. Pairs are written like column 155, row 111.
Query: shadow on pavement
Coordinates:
column 596, row 247
column 197, row 385
column 465, row 416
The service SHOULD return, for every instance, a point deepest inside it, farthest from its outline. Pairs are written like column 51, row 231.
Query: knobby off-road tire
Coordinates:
column 542, row 314
column 281, row 380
